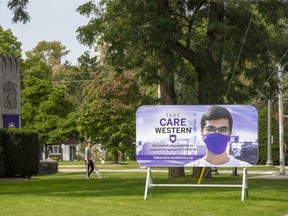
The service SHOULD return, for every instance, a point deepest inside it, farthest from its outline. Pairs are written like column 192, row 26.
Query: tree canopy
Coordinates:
column 18, row 9
column 209, row 35
column 46, row 107
column 50, row 52
column 8, row 43
column 107, row 113
column 207, row 52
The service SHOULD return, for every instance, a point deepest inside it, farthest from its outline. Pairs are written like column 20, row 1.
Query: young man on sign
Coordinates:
column 216, row 128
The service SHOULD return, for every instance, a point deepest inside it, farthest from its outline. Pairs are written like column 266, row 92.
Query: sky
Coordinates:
column 51, row 20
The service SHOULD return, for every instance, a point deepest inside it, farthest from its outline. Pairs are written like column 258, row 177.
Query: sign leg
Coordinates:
column 148, row 181
column 244, row 184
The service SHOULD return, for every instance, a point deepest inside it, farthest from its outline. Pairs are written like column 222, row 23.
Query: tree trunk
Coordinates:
column 197, row 172
column 168, row 97
column 115, row 157
column 167, row 88
column 174, row 172
column 209, row 65
column 210, row 75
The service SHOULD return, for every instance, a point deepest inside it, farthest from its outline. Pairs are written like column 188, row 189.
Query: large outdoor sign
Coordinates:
column 197, row 135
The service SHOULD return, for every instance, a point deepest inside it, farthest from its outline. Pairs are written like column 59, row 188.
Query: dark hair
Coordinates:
column 216, row 112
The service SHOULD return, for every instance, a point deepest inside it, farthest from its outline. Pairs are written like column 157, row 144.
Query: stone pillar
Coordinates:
column 10, row 90
column 48, row 166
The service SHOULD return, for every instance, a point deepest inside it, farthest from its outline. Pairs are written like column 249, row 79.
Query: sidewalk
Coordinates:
column 81, row 169
column 261, row 174
column 272, row 174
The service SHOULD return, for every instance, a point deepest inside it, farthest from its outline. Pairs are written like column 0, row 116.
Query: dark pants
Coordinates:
column 89, row 167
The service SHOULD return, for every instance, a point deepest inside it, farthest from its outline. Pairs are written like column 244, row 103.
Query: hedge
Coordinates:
column 19, row 153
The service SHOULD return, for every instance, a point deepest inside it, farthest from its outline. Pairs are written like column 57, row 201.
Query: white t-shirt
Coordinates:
column 88, row 153
column 233, row 162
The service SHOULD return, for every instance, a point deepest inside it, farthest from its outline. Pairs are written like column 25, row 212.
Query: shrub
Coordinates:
column 2, row 165
column 55, row 158
column 21, row 152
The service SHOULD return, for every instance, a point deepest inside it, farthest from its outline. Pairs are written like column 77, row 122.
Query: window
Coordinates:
column 55, row 150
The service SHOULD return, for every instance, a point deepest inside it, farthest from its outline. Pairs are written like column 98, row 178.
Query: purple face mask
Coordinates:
column 216, row 142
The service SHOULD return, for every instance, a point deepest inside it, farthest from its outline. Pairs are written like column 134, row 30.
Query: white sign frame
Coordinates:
column 244, row 185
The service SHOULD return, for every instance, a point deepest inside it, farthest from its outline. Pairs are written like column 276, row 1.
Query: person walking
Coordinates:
column 88, row 161
column 95, row 157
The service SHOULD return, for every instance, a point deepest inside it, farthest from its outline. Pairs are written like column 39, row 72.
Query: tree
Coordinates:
column 207, row 34
column 46, row 108
column 9, row 44
column 107, row 113
column 18, row 8
column 75, row 78
column 50, row 52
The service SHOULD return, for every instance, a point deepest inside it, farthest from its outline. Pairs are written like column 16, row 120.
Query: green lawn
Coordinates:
column 123, row 194
column 121, row 163
column 106, row 165
column 134, row 165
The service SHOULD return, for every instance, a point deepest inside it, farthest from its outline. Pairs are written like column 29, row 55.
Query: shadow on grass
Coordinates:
column 133, row 184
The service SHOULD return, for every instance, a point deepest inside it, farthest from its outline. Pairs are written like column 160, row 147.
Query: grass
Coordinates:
column 107, row 165
column 123, row 194
column 130, row 163
column 134, row 165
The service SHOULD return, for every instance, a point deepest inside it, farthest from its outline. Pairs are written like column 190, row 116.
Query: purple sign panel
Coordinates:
column 197, row 135
column 10, row 121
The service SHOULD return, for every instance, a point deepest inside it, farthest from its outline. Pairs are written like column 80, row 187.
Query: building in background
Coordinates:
column 99, row 52
column 69, row 150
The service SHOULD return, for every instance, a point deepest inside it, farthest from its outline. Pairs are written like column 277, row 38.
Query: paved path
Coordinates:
column 261, row 174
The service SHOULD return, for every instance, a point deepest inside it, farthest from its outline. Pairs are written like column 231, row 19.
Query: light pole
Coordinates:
column 269, row 161
column 281, row 128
